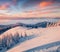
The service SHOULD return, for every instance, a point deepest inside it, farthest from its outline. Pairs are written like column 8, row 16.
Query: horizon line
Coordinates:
column 29, row 18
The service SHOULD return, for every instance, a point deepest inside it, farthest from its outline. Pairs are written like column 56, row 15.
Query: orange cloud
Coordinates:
column 44, row 4
column 4, row 6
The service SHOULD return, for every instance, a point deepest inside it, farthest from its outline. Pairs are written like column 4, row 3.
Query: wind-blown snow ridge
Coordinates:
column 22, row 31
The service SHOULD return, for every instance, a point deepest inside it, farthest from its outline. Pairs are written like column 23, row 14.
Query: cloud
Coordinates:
column 39, row 12
column 52, row 12
column 44, row 4
column 4, row 6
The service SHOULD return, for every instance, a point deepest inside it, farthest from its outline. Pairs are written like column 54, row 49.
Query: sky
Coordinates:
column 16, row 9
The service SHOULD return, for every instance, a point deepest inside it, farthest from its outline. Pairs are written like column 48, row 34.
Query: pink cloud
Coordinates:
column 4, row 6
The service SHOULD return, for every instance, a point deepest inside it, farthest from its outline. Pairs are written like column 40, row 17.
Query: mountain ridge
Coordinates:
column 44, row 24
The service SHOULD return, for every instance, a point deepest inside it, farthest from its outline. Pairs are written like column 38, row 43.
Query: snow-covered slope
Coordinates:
column 50, row 34
column 51, row 47
column 17, row 35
